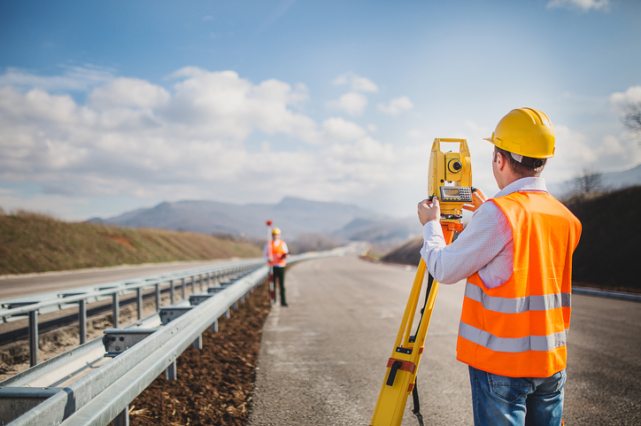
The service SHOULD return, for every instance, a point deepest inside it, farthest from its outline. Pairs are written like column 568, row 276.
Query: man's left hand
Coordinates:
column 429, row 210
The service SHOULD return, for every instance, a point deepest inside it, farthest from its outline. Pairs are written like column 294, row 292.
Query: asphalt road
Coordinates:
column 323, row 358
column 22, row 285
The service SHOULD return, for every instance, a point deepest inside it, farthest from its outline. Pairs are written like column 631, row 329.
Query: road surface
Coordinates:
column 323, row 358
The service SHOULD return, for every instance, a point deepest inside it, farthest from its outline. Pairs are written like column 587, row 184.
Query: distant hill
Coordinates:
column 36, row 243
column 609, row 181
column 608, row 250
column 296, row 216
column 380, row 230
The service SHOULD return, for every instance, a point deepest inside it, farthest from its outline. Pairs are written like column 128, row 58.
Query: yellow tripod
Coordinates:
column 449, row 178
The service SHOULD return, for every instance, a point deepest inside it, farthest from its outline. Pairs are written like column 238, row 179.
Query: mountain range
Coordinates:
column 296, row 217
column 304, row 218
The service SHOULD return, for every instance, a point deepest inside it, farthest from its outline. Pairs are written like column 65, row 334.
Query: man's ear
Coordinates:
column 500, row 160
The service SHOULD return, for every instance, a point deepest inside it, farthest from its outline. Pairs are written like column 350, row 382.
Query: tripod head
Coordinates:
column 450, row 178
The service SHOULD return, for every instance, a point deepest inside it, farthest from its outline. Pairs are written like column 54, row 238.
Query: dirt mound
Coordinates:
column 407, row 254
column 214, row 385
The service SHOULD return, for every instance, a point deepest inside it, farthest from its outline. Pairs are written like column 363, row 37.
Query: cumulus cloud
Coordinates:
column 356, row 83
column 628, row 105
column 208, row 134
column 352, row 103
column 582, row 5
column 129, row 92
column 631, row 96
column 341, row 129
column 396, row 106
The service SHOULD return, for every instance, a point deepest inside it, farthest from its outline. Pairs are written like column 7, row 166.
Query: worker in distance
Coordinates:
column 276, row 252
column 516, row 255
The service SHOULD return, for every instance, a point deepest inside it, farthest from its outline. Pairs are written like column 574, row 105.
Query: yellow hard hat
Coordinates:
column 525, row 131
column 276, row 231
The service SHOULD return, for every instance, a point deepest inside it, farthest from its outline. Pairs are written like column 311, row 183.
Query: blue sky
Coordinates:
column 111, row 106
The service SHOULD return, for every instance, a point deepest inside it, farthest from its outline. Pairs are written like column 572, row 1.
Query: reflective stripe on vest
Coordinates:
column 512, row 344
column 520, row 304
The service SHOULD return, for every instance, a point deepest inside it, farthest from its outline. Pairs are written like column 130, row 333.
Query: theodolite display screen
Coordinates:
column 457, row 194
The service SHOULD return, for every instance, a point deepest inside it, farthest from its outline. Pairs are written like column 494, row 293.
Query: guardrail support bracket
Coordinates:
column 171, row 373
column 122, row 419
column 198, row 343
column 14, row 402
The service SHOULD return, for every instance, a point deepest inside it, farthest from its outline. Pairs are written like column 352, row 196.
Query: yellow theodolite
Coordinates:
column 449, row 179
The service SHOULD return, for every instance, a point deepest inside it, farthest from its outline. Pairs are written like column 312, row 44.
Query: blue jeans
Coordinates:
column 500, row 400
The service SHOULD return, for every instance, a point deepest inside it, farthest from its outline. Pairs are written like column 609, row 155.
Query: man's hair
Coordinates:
column 522, row 165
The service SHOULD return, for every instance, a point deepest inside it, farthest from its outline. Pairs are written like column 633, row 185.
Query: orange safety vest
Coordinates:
column 278, row 249
column 519, row 329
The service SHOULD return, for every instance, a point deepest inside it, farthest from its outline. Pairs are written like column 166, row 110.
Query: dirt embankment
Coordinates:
column 215, row 384
column 608, row 250
column 36, row 243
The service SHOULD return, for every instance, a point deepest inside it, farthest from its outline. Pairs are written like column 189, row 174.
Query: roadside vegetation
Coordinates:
column 608, row 251
column 31, row 242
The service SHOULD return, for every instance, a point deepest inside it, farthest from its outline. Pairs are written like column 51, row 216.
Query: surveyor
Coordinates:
column 516, row 255
column 276, row 253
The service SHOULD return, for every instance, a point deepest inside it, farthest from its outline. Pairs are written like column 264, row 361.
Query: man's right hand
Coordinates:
column 428, row 210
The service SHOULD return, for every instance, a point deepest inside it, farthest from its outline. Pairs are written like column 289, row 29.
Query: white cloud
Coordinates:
column 352, row 103
column 396, row 106
column 129, row 92
column 624, row 99
column 628, row 106
column 341, row 129
column 211, row 135
column 356, row 83
column 582, row 5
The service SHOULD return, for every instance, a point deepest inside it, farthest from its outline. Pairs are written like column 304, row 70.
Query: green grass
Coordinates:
column 31, row 242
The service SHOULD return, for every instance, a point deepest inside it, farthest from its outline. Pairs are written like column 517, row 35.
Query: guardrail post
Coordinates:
column 198, row 343
column 201, row 281
column 214, row 327
column 171, row 373
column 157, row 286
column 172, row 292
column 122, row 419
column 82, row 320
column 33, row 338
column 183, row 285
column 193, row 284
column 116, row 309
column 139, row 302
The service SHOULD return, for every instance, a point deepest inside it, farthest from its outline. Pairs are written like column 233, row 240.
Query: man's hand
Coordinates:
column 429, row 210
column 478, row 198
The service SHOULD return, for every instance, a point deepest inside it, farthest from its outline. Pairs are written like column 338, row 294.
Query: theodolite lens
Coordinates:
column 455, row 166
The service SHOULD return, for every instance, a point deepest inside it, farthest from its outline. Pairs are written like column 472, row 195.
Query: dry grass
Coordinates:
column 32, row 242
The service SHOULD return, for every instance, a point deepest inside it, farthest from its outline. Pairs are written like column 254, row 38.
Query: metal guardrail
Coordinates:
column 114, row 290
column 586, row 291
column 103, row 395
